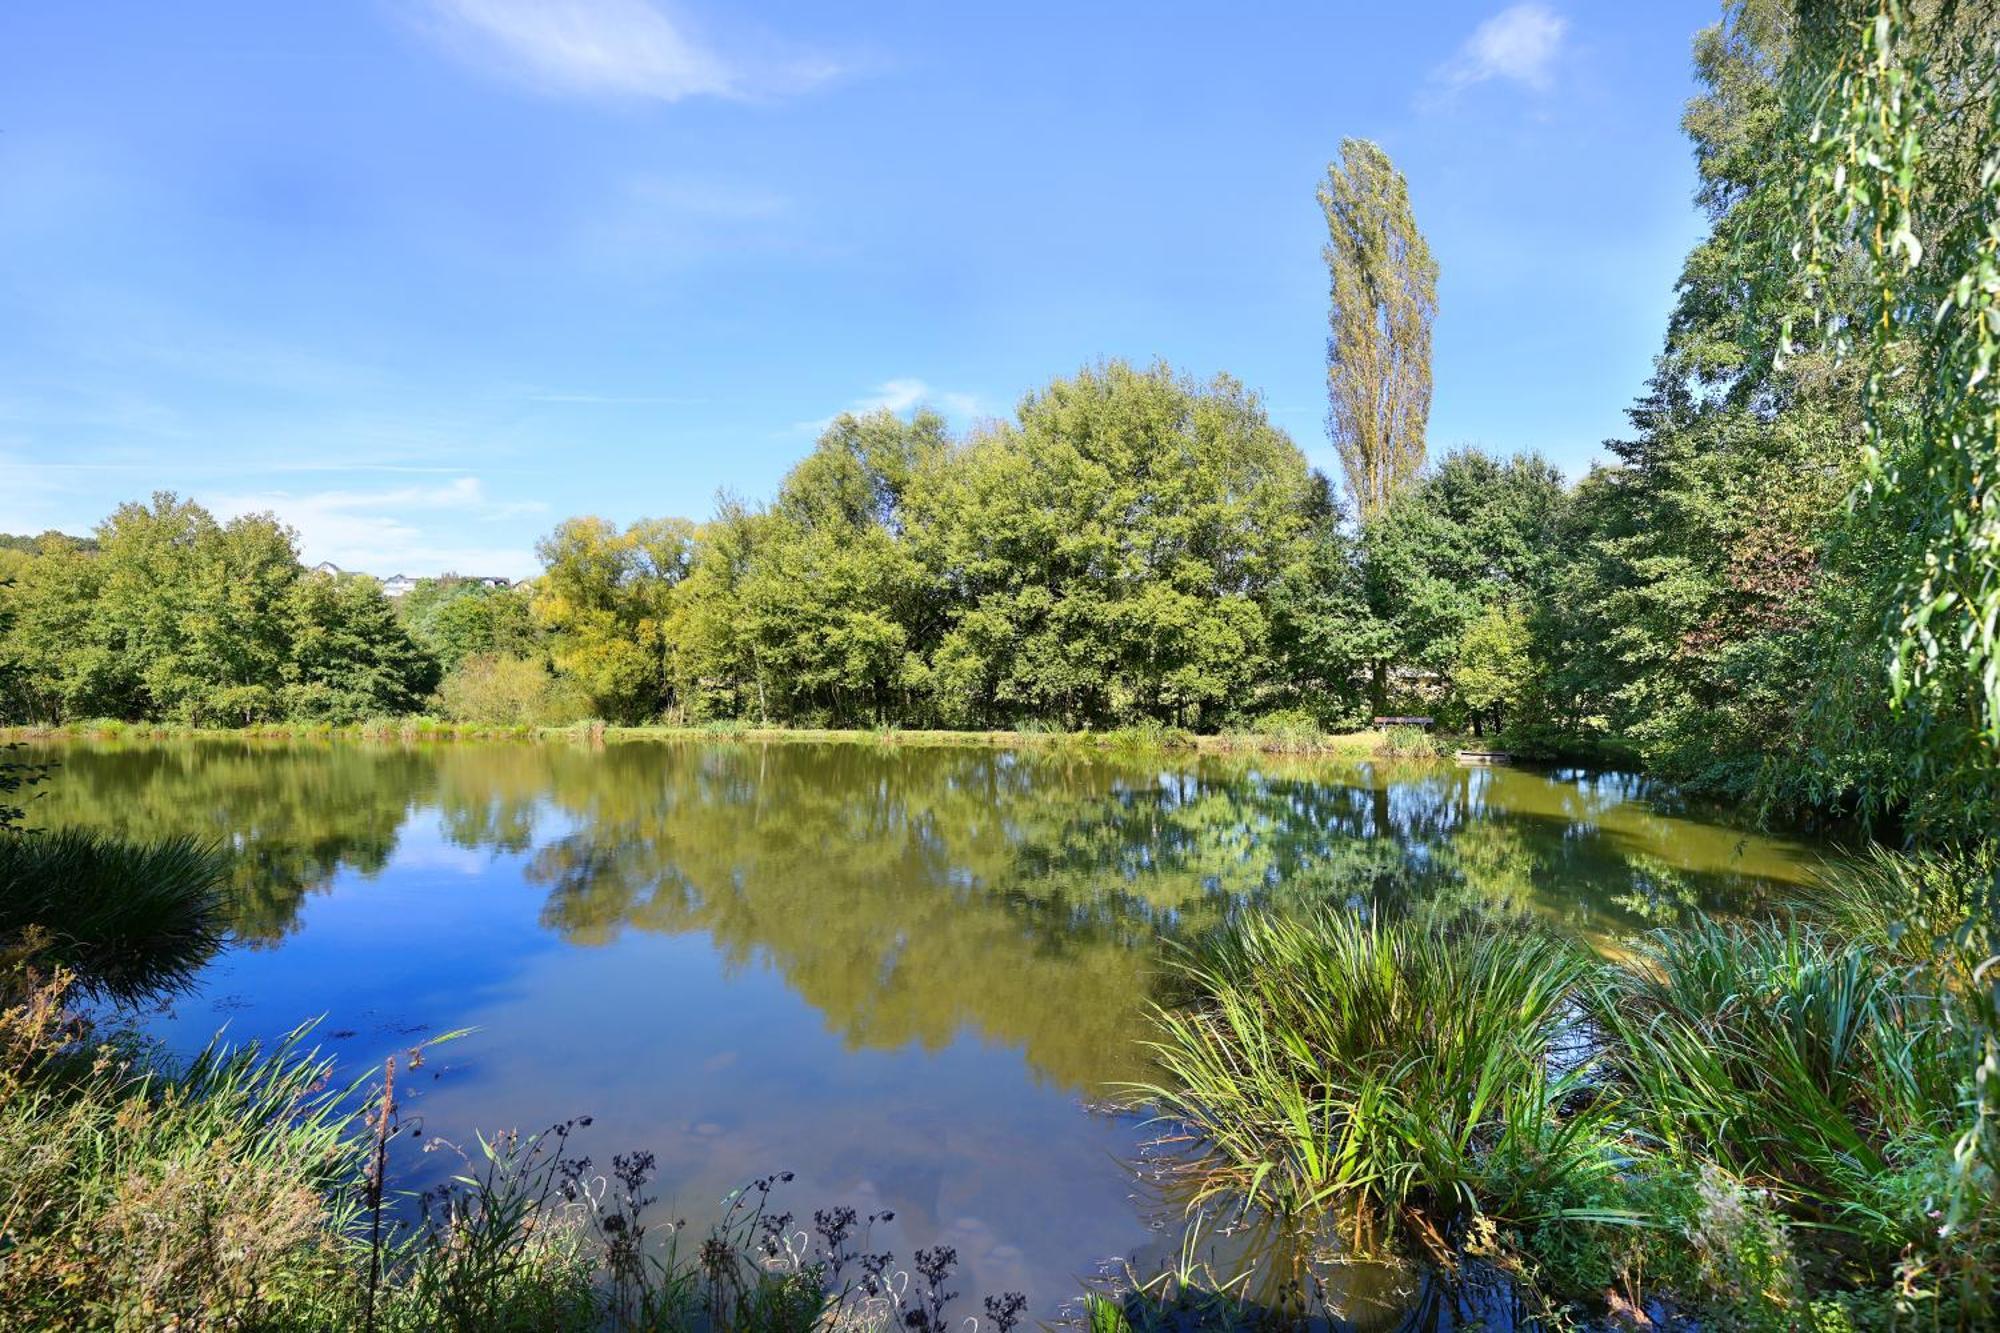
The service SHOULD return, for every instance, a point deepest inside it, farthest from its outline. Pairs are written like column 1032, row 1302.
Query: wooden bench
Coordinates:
column 1403, row 721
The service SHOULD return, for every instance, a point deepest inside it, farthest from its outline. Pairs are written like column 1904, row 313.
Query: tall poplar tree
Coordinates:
column 1378, row 348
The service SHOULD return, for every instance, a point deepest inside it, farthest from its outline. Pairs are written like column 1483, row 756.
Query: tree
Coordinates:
column 453, row 619
column 350, row 657
column 605, row 599
column 1472, row 532
column 1325, row 638
column 1888, row 258
column 1493, row 666
column 1378, row 351
column 834, row 600
column 1111, row 557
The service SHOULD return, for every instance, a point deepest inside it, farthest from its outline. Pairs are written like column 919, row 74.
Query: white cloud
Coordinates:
column 393, row 531
column 1519, row 43
column 899, row 396
column 608, row 48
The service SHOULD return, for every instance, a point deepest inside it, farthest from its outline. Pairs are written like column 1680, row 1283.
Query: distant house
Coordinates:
column 398, row 585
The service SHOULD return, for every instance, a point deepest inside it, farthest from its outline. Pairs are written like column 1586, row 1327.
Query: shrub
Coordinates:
column 494, row 690
column 1409, row 743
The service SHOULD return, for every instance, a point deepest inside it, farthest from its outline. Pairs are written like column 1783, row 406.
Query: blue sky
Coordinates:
column 427, row 276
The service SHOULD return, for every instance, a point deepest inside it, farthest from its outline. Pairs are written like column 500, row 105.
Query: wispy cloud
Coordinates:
column 393, row 530
column 899, row 396
column 609, row 48
column 652, row 223
column 1519, row 44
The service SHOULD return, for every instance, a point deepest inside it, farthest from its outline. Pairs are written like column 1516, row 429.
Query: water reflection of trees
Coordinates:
column 915, row 894
column 290, row 818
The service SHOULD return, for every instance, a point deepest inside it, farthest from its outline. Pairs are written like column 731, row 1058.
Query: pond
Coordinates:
column 906, row 974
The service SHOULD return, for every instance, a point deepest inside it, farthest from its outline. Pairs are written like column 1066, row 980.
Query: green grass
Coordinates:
column 128, row 919
column 1404, row 1075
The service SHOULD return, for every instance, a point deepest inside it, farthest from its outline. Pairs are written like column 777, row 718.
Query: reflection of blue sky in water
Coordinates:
column 895, row 971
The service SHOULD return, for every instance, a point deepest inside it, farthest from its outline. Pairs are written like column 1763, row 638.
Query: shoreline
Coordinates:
column 1356, row 745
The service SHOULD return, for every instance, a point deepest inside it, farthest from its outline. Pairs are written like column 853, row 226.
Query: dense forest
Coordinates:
column 1136, row 545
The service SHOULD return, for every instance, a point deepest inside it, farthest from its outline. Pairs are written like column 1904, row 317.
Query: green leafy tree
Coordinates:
column 1494, row 666
column 1888, row 261
column 1111, row 556
column 604, row 599
column 1325, row 638
column 1473, row 532
column 834, row 600
column 350, row 657
column 1378, row 352
column 453, row 619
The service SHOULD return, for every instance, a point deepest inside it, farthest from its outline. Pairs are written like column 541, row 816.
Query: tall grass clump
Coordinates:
column 133, row 1198
column 1919, row 909
column 1412, row 1077
column 125, row 919
column 1409, row 743
column 1820, row 1072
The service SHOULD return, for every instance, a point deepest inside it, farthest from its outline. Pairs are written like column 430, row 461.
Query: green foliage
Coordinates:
column 169, row 615
column 350, row 658
column 127, row 919
column 1892, row 245
column 1383, row 282
column 1492, row 672
column 1473, row 535
column 452, row 619
column 1405, row 1076
column 499, row 691
column 604, row 600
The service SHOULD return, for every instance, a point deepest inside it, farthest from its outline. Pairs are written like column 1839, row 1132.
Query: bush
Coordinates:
column 497, row 691
column 1409, row 743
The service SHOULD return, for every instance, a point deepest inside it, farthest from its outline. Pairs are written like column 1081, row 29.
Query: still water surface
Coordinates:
column 903, row 973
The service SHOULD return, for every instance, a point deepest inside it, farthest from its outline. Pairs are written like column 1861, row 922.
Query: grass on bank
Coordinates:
column 1282, row 737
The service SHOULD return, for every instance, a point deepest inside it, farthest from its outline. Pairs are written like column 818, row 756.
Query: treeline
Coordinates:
column 1134, row 547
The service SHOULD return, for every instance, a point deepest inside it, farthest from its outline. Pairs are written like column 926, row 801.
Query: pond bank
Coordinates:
column 1365, row 744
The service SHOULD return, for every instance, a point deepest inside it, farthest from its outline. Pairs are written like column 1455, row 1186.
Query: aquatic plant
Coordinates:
column 126, row 919
column 1411, row 1076
column 1807, row 1066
